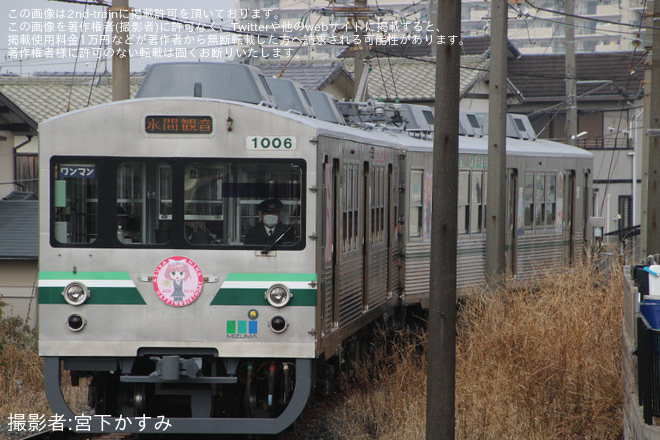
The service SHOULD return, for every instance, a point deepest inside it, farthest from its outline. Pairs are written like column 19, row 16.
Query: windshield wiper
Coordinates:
column 270, row 245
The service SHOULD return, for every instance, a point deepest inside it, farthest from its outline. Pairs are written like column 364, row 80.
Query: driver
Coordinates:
column 270, row 227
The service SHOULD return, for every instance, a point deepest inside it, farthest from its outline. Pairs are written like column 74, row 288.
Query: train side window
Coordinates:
column 528, row 195
column 378, row 205
column 416, row 203
column 350, row 200
column 75, row 203
column 477, row 201
column 539, row 200
column 551, row 199
column 463, row 202
column 144, row 202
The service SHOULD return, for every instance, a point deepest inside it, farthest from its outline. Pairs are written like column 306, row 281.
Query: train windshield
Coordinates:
column 112, row 202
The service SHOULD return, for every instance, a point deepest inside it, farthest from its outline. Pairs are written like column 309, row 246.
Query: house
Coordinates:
column 19, row 252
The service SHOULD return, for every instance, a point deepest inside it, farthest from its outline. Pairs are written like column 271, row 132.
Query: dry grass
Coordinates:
column 532, row 363
column 21, row 387
column 21, row 373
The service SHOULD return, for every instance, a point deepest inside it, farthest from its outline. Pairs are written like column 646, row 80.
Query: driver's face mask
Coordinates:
column 270, row 220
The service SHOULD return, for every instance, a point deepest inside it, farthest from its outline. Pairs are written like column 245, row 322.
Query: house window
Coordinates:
column 26, row 173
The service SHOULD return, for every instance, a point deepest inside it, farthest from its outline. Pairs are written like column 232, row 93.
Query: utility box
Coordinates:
column 596, row 229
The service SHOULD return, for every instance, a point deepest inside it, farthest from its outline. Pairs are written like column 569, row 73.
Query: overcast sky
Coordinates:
column 43, row 35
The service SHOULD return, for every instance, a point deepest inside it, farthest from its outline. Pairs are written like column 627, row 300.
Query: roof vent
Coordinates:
column 233, row 82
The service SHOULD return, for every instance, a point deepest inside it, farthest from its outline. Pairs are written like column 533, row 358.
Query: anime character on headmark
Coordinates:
column 177, row 272
column 178, row 281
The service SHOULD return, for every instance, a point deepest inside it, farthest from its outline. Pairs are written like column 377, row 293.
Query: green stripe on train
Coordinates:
column 257, row 297
column 98, row 296
column 84, row 275
column 281, row 277
column 238, row 289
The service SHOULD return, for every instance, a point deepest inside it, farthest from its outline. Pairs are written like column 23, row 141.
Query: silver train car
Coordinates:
column 207, row 258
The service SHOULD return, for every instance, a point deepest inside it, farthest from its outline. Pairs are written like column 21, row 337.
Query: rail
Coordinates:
column 648, row 369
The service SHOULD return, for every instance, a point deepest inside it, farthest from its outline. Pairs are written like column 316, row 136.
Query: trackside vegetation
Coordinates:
column 540, row 361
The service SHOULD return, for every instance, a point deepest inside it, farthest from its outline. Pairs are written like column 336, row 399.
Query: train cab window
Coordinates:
column 143, row 218
column 121, row 202
column 233, row 203
column 75, row 202
column 203, row 203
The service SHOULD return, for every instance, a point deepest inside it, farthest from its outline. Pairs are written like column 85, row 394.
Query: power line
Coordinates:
column 582, row 17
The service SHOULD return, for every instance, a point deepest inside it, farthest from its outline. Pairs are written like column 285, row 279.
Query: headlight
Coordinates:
column 76, row 293
column 278, row 295
column 278, row 324
column 75, row 322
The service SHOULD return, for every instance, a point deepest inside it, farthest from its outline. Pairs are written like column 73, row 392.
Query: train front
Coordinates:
column 176, row 272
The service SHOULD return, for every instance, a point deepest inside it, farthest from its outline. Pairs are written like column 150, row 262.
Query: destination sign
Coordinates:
column 178, row 124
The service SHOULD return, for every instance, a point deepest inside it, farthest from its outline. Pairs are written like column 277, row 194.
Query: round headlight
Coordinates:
column 75, row 323
column 278, row 295
column 76, row 293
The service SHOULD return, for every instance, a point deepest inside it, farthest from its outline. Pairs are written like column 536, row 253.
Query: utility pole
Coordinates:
column 441, row 355
column 496, row 183
column 650, row 235
column 571, row 87
column 121, row 66
column 361, row 51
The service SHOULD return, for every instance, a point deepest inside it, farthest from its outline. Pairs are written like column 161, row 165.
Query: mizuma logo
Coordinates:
column 242, row 329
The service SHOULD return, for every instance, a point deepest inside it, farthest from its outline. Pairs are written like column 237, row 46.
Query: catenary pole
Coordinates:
column 121, row 66
column 650, row 219
column 496, row 194
column 571, row 76
column 441, row 377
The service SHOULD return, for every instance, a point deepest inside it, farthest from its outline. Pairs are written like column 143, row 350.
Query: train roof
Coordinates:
column 479, row 145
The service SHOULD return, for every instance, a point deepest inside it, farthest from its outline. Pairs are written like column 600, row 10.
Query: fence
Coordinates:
column 648, row 369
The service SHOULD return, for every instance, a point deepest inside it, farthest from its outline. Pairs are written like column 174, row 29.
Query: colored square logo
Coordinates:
column 242, row 327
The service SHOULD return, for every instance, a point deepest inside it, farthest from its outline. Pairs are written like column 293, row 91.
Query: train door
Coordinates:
column 514, row 221
column 568, row 224
column 336, row 250
column 586, row 213
column 330, row 255
column 366, row 236
column 389, row 229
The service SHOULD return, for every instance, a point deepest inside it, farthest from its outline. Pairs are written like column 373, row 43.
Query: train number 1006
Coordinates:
column 270, row 143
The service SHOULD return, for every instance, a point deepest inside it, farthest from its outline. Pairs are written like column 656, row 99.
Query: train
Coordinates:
column 160, row 281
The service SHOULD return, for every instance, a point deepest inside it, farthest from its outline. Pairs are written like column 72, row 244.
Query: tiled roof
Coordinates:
column 19, row 229
column 43, row 97
column 542, row 77
column 310, row 75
